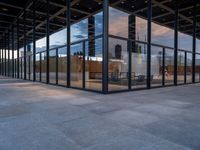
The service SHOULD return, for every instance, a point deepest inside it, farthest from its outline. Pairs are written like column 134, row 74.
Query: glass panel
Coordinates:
column 198, row 43
column 139, row 66
column 197, row 68
column 43, row 66
column 184, row 41
column 93, row 66
column 189, row 68
column 126, row 25
column 86, row 29
column 52, row 66
column 41, row 45
column 76, row 69
column 169, row 66
column 10, row 62
column 156, row 65
column 31, row 67
column 118, row 64
column 180, row 67
column 118, row 50
column 37, row 67
column 62, row 66
column 93, row 53
column 22, row 67
column 58, row 38
column 21, row 54
column 27, row 67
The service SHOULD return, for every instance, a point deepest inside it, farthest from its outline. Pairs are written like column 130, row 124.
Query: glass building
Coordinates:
column 101, row 45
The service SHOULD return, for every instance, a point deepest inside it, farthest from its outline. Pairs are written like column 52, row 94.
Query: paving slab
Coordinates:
column 36, row 116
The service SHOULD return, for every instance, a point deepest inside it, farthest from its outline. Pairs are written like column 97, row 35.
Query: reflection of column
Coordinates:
column 131, row 32
column 91, row 36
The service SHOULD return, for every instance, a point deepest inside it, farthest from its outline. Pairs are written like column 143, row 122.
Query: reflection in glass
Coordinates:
column 20, row 68
column 93, row 65
column 37, row 67
column 189, row 68
column 52, row 66
column 27, row 67
column 197, row 68
column 31, row 67
column 76, row 68
column 181, row 67
column 169, row 66
column 118, row 22
column 43, row 66
column 139, row 66
column 156, row 65
column 62, row 66
column 118, row 64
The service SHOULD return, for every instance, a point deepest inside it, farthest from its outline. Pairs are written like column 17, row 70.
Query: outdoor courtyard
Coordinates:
column 36, row 116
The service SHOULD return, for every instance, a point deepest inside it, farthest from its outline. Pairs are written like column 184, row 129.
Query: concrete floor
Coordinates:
column 35, row 116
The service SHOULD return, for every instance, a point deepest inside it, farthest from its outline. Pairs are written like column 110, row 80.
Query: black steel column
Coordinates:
column 8, row 65
column 21, row 71
column 40, row 68
column 24, row 21
column 194, row 43
column 47, row 42
column 149, row 44
column 1, row 60
column 105, row 46
column 68, row 41
column 56, row 65
column 34, row 42
column 91, row 36
column 83, row 64
column 163, row 67
column 129, row 75
column 6, row 38
column 185, row 68
column 175, row 42
column 29, row 67
column 131, row 46
column 17, row 48
column 13, row 50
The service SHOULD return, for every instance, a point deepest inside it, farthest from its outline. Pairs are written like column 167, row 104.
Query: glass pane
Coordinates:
column 52, row 66
column 169, row 66
column 189, row 68
column 126, row 26
column 76, row 69
column 93, row 53
column 118, row 64
column 180, row 67
column 197, row 68
column 93, row 66
column 139, row 65
column 37, row 67
column 86, row 29
column 43, row 66
column 27, row 67
column 31, row 67
column 156, row 65
column 62, row 66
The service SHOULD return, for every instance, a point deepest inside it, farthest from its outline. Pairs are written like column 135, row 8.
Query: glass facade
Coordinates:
column 105, row 46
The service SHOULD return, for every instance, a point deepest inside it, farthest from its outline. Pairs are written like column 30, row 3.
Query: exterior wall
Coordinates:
column 109, row 51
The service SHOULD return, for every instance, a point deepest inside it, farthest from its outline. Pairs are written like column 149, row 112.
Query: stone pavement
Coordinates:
column 36, row 116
